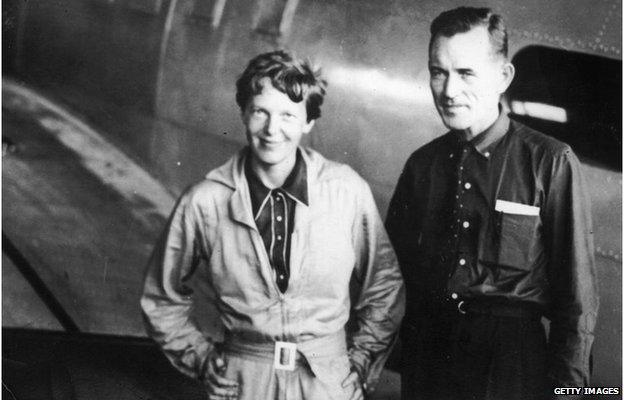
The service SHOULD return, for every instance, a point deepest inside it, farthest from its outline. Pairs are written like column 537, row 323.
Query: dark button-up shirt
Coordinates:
column 470, row 206
column 505, row 218
column 274, row 214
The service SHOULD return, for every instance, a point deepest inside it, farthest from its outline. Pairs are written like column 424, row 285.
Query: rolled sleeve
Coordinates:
column 379, row 295
column 167, row 299
column 572, row 273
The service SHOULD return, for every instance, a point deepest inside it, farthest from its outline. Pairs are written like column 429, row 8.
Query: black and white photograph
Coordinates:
column 311, row 200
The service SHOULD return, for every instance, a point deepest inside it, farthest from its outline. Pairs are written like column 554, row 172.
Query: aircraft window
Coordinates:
column 539, row 110
column 574, row 97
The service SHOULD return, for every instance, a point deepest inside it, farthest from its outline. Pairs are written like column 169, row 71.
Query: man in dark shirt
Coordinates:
column 491, row 225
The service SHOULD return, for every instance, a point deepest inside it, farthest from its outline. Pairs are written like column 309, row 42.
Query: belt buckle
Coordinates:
column 285, row 356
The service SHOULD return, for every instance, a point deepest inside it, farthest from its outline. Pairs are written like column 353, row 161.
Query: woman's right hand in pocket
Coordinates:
column 217, row 386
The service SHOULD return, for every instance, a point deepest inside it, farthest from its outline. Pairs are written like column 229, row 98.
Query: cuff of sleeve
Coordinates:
column 360, row 362
column 208, row 354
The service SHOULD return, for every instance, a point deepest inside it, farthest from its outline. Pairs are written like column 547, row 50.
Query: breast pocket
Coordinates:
column 518, row 238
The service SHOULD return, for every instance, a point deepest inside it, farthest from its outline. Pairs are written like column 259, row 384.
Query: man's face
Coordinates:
column 275, row 126
column 467, row 79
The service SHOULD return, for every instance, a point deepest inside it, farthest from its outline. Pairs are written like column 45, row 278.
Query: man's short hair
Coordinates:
column 463, row 19
column 293, row 77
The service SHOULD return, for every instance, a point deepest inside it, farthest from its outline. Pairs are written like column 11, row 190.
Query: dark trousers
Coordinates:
column 452, row 356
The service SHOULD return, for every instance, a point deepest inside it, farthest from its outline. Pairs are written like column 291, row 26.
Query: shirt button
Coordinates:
column 487, row 154
column 462, row 261
column 281, row 276
column 278, row 198
column 279, row 237
column 279, row 218
column 467, row 185
column 466, row 224
column 454, row 296
column 451, row 155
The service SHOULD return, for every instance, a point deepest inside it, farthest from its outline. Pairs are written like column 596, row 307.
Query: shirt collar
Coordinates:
column 487, row 140
column 295, row 185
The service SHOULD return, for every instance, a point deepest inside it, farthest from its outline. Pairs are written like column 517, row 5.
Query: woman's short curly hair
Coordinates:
column 293, row 77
